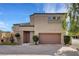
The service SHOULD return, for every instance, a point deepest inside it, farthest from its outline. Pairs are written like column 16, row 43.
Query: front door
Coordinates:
column 26, row 37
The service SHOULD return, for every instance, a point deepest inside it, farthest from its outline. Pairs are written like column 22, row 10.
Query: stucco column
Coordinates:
column 21, row 37
column 62, row 39
column 31, row 36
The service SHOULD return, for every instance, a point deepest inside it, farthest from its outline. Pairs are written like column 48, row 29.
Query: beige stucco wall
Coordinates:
column 26, row 29
column 16, row 29
column 20, row 30
column 43, row 26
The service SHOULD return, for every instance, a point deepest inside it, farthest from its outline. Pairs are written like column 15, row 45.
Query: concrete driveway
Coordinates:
column 29, row 49
column 42, row 49
column 75, row 42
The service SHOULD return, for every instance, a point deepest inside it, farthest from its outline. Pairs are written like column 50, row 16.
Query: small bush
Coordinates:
column 17, row 35
column 35, row 39
column 67, row 40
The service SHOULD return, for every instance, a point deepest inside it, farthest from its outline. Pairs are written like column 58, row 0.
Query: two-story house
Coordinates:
column 47, row 26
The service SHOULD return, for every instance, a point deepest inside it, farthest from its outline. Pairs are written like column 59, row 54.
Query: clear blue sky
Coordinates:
column 19, row 13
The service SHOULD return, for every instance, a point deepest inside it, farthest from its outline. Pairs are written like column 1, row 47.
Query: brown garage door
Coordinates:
column 50, row 38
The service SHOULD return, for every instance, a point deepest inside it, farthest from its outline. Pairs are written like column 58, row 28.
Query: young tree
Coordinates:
column 73, row 14
column 64, row 25
column 12, row 38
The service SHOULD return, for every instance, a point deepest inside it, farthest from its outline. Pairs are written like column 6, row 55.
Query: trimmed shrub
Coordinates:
column 35, row 39
column 67, row 40
column 17, row 35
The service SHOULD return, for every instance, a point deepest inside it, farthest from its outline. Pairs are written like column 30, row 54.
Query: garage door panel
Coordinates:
column 50, row 38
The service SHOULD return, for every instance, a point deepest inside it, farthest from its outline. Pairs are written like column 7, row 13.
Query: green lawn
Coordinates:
column 8, row 43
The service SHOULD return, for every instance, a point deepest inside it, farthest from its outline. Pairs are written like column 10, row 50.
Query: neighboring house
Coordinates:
column 47, row 26
column 4, row 36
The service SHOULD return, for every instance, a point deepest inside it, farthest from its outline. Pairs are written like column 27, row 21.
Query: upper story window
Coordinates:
column 49, row 18
column 52, row 19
